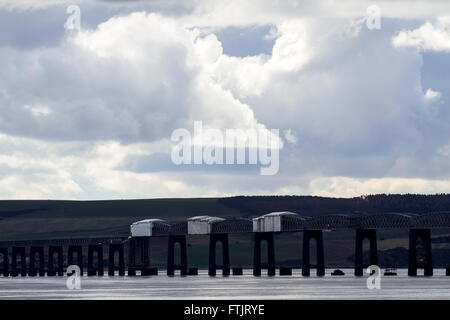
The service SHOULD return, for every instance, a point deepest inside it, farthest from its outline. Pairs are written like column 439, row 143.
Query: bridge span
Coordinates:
column 28, row 257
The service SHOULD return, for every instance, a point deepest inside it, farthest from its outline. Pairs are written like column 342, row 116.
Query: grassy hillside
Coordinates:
column 162, row 208
column 46, row 218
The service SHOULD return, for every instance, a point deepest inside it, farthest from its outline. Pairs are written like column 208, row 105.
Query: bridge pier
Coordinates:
column 139, row 255
column 425, row 235
column 33, row 270
column 52, row 250
column 173, row 239
column 318, row 236
column 259, row 237
column 113, row 248
column 70, row 253
column 213, row 239
column 92, row 271
column 371, row 235
column 23, row 262
column 5, row 268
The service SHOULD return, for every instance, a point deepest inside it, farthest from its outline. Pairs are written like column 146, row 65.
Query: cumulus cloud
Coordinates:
column 91, row 115
column 135, row 78
column 428, row 37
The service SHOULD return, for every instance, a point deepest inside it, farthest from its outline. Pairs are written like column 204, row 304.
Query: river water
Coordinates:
column 233, row 287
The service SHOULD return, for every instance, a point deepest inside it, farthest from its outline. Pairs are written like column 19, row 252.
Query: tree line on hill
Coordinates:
column 314, row 205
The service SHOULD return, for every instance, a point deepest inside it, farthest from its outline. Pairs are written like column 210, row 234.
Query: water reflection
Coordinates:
column 237, row 287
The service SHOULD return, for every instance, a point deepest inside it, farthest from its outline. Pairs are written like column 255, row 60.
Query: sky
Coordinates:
column 89, row 114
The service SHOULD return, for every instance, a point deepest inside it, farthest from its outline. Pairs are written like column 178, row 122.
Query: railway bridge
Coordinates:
column 27, row 257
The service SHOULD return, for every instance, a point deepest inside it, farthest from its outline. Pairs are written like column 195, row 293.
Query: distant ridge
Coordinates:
column 315, row 205
column 231, row 206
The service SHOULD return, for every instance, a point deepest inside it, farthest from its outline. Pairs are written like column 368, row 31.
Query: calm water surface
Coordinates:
column 233, row 287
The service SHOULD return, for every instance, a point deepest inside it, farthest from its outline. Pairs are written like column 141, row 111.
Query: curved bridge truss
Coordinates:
column 434, row 220
column 233, row 226
column 178, row 228
column 296, row 222
column 383, row 221
column 293, row 222
column 329, row 222
column 162, row 228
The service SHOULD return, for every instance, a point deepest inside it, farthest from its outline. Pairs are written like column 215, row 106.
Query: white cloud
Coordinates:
column 38, row 110
column 294, row 47
column 432, row 96
column 54, row 170
column 428, row 37
column 43, row 170
column 35, row 170
column 350, row 187
column 76, row 117
column 134, row 78
column 256, row 12
column 209, row 13
column 289, row 136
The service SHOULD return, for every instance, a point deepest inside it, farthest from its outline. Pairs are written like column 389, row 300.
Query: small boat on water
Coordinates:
column 337, row 272
column 390, row 272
